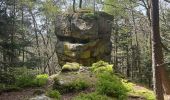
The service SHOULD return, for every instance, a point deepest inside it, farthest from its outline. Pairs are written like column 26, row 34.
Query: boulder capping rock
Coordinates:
column 83, row 37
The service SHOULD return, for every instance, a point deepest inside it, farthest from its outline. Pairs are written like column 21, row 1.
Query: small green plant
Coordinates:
column 89, row 16
column 41, row 80
column 128, row 85
column 2, row 86
column 92, row 96
column 53, row 94
column 79, row 85
column 141, row 91
column 25, row 81
column 101, row 66
column 70, row 67
column 149, row 95
column 8, row 88
column 7, row 78
column 110, row 85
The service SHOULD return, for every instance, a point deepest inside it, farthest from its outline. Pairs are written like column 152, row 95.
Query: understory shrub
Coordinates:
column 101, row 66
column 6, row 78
column 41, row 80
column 110, row 85
column 27, row 80
column 53, row 94
column 8, row 88
column 92, row 96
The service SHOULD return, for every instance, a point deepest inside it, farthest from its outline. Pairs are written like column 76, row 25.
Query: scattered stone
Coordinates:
column 41, row 97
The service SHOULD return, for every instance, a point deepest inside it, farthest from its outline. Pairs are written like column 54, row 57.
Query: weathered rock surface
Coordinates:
column 83, row 37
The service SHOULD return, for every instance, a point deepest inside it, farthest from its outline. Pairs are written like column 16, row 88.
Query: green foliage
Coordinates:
column 53, row 94
column 49, row 9
column 70, row 67
column 20, row 78
column 92, row 96
column 149, row 95
column 41, row 79
column 101, row 66
column 141, row 91
column 6, row 78
column 89, row 16
column 8, row 88
column 128, row 85
column 110, row 6
column 111, row 85
column 25, row 81
column 79, row 85
column 74, row 86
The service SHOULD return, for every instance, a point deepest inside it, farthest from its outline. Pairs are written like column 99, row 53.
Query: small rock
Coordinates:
column 41, row 97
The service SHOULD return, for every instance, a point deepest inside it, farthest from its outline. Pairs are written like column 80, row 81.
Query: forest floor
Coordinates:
column 24, row 94
column 28, row 93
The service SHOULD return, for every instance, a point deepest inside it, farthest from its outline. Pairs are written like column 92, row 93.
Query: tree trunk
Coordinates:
column 80, row 4
column 74, row 2
column 159, row 78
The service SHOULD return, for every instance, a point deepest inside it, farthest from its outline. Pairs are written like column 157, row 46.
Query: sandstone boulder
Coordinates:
column 83, row 37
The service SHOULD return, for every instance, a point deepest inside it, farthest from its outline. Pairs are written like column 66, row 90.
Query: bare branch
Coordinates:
column 167, row 1
column 164, row 47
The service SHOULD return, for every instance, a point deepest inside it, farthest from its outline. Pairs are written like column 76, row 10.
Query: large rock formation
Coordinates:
column 83, row 37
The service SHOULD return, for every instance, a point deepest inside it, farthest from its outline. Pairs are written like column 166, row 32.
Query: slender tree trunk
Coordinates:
column 116, row 48
column 12, row 36
column 80, row 4
column 23, row 35
column 74, row 2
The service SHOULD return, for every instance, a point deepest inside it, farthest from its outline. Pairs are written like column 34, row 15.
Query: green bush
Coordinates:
column 111, row 85
column 74, row 86
column 79, row 85
column 128, row 85
column 41, row 80
column 25, row 81
column 53, row 94
column 8, row 88
column 2, row 86
column 101, row 66
column 92, row 96
column 7, row 78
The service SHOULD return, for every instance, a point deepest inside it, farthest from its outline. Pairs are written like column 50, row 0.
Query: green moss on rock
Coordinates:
column 85, row 54
column 71, row 67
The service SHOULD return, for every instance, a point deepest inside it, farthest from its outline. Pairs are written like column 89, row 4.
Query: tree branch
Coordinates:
column 167, row 1
column 164, row 47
